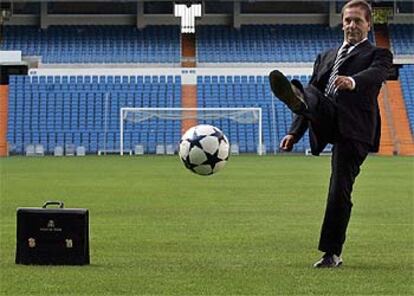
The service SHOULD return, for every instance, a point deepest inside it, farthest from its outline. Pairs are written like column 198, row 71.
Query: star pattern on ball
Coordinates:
column 212, row 159
column 218, row 134
column 195, row 142
column 204, row 149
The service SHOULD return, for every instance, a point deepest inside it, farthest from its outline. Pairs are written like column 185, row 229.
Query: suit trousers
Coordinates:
column 347, row 157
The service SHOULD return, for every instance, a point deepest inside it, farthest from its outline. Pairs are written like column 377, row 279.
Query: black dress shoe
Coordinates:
column 289, row 93
column 297, row 85
column 328, row 261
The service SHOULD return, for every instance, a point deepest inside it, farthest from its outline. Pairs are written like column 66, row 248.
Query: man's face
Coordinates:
column 355, row 25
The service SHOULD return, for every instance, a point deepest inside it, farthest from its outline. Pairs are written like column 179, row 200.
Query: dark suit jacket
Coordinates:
column 357, row 115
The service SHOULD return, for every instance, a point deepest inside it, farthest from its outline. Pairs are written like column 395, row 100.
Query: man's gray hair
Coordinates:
column 359, row 3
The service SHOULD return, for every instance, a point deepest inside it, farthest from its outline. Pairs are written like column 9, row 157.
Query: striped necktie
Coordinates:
column 330, row 89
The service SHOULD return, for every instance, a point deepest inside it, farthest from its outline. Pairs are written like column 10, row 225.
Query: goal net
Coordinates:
column 191, row 116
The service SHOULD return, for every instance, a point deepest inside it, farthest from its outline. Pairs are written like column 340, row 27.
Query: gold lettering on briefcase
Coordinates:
column 32, row 242
column 69, row 243
column 51, row 226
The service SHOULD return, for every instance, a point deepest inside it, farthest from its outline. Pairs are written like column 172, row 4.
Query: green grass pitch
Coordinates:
column 252, row 229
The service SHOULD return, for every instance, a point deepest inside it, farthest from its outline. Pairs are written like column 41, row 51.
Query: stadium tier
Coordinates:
column 59, row 111
column 402, row 40
column 248, row 91
column 96, row 44
column 161, row 44
column 407, row 78
column 84, row 111
column 265, row 43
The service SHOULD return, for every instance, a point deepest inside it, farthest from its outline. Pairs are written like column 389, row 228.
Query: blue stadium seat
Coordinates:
column 89, row 44
column 75, row 116
column 250, row 91
column 401, row 39
column 264, row 43
column 406, row 78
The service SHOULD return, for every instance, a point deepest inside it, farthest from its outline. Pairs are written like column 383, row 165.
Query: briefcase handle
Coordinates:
column 53, row 202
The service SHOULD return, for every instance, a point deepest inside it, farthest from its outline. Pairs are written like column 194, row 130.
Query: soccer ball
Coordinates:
column 204, row 149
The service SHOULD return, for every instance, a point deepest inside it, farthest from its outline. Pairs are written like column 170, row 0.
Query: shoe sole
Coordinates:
column 282, row 88
column 329, row 266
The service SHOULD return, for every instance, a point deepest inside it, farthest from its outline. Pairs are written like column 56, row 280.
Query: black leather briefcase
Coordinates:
column 52, row 235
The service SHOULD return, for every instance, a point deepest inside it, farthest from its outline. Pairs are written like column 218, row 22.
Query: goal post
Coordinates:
column 244, row 115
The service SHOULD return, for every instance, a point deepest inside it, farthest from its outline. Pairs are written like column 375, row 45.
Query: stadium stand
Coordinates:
column 84, row 111
column 70, row 110
column 402, row 40
column 265, row 43
column 248, row 91
column 57, row 111
column 161, row 44
column 96, row 44
column 407, row 78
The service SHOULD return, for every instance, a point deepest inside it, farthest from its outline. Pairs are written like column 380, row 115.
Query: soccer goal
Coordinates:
column 200, row 115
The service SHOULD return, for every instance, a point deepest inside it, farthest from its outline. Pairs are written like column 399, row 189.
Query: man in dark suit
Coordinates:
column 339, row 106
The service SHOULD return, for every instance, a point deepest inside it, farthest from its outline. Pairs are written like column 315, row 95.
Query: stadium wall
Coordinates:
column 188, row 75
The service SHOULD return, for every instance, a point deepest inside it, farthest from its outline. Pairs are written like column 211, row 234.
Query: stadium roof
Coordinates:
column 194, row 1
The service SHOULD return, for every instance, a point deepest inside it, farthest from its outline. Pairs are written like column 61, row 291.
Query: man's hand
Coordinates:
column 343, row 83
column 287, row 143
